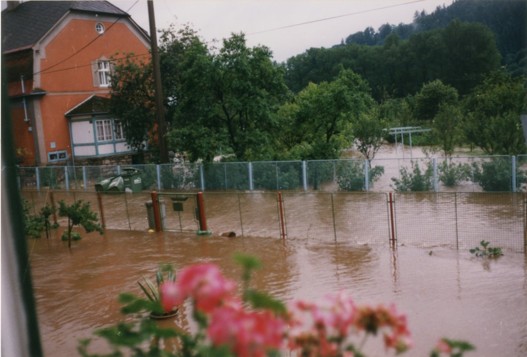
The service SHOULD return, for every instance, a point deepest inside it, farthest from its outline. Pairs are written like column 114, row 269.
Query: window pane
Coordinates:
column 103, row 71
column 118, row 130
column 100, row 130
column 107, row 130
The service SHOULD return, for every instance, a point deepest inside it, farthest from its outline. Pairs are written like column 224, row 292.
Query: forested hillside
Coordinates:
column 458, row 45
column 507, row 19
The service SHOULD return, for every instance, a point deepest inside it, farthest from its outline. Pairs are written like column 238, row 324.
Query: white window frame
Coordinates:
column 104, row 130
column 99, row 28
column 103, row 73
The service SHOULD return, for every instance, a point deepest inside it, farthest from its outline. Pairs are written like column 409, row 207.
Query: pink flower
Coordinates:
column 247, row 333
column 170, row 296
column 206, row 285
column 321, row 328
column 443, row 347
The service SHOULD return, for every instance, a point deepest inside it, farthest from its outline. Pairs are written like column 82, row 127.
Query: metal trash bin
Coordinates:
column 150, row 214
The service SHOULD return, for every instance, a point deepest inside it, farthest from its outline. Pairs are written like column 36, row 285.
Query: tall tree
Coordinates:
column 221, row 99
column 132, row 101
column 446, row 128
column 493, row 110
column 369, row 132
column 248, row 87
column 430, row 98
column 326, row 113
column 471, row 54
column 187, row 68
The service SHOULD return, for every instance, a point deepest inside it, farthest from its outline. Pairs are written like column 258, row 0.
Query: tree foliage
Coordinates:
column 460, row 55
column 325, row 114
column 224, row 99
column 493, row 110
column 132, row 100
column 431, row 97
column 368, row 133
column 79, row 213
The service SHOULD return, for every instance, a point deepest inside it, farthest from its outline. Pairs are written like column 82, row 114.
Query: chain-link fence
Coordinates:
column 425, row 219
column 459, row 174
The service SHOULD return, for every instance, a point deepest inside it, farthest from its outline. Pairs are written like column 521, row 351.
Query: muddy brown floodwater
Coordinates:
column 443, row 292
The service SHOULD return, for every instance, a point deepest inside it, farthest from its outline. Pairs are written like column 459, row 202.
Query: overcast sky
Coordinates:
column 273, row 23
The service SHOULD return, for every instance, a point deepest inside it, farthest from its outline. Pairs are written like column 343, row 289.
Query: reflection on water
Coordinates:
column 444, row 292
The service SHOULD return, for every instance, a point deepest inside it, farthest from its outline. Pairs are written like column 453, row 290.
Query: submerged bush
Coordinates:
column 451, row 174
column 496, row 175
column 350, row 175
column 414, row 180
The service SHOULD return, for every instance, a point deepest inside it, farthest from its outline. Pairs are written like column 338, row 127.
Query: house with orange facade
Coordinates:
column 58, row 59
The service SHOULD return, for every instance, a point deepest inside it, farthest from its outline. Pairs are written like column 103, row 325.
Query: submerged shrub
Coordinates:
column 414, row 180
column 451, row 174
column 350, row 175
column 496, row 175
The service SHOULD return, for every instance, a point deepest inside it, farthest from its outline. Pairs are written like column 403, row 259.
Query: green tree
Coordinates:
column 430, row 98
column 223, row 99
column 471, row 54
column 326, row 112
column 248, row 88
column 368, row 132
column 492, row 120
column 79, row 214
column 187, row 68
column 132, row 101
column 447, row 128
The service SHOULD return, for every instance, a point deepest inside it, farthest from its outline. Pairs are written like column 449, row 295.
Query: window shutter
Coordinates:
column 95, row 74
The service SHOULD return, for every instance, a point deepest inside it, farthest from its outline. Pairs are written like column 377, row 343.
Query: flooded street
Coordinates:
column 444, row 292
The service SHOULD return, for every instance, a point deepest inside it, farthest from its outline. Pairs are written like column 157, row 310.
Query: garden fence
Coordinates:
column 424, row 219
column 459, row 174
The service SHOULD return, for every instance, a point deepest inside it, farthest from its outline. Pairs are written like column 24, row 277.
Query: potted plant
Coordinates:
column 165, row 273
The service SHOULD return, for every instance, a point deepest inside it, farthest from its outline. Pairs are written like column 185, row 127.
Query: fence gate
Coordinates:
column 179, row 212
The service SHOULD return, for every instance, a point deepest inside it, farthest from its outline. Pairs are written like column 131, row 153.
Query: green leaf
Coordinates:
column 260, row 300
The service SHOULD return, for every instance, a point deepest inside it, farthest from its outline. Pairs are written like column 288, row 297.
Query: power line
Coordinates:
column 334, row 17
column 89, row 64
column 83, row 47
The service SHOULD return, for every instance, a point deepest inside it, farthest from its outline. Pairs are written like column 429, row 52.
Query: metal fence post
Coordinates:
column 158, row 174
column 391, row 218
column 251, row 183
column 366, row 175
column 84, row 178
column 225, row 175
column 333, row 214
column 281, row 215
column 202, row 178
column 513, row 173
column 434, row 165
column 37, row 178
column 66, row 178
column 524, row 222
column 304, row 175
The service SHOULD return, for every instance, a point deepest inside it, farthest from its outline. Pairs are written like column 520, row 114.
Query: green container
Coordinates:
column 132, row 179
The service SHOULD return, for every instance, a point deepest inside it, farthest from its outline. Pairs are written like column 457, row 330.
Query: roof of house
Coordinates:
column 28, row 22
column 94, row 104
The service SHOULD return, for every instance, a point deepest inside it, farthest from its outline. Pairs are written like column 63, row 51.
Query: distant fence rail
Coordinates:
column 460, row 174
column 424, row 219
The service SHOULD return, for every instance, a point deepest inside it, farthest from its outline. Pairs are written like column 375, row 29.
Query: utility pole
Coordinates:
column 160, row 109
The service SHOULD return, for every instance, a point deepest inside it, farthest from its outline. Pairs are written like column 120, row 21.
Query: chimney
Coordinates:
column 11, row 5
